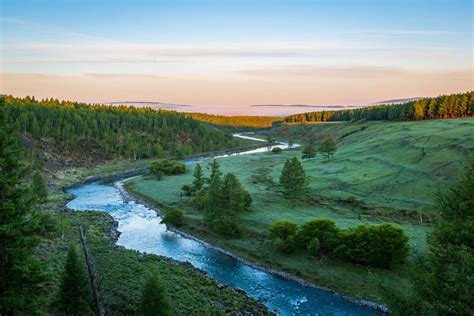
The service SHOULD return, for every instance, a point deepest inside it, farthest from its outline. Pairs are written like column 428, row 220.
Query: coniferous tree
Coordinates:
column 198, row 182
column 20, row 274
column 154, row 300
column 309, row 149
column 328, row 148
column 233, row 203
column 39, row 188
column 75, row 290
column 293, row 179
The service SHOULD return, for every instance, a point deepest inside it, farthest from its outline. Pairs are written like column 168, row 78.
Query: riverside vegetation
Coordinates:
column 40, row 276
column 342, row 203
column 367, row 183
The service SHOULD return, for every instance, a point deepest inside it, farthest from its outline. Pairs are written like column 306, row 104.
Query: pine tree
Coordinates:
column 20, row 274
column 39, row 188
column 154, row 300
column 293, row 179
column 233, row 201
column 309, row 150
column 75, row 291
column 198, row 182
column 328, row 148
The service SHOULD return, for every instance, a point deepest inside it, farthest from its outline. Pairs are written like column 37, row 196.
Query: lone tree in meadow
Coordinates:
column 328, row 148
column 75, row 290
column 154, row 300
column 20, row 274
column 309, row 149
column 293, row 179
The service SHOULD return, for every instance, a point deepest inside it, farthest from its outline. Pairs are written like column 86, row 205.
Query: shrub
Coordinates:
column 247, row 198
column 378, row 245
column 167, row 167
column 282, row 229
column 173, row 216
column 276, row 150
column 154, row 300
column 287, row 245
column 187, row 189
column 314, row 246
column 324, row 229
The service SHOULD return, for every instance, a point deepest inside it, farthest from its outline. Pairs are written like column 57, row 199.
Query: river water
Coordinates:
column 141, row 230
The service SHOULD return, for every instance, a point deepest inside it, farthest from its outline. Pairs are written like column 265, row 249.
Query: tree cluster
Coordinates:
column 235, row 121
column 167, row 167
column 221, row 197
column 21, row 275
column 120, row 131
column 381, row 245
column 446, row 106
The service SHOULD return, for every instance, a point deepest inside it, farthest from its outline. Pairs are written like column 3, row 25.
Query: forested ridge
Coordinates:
column 235, row 121
column 119, row 131
column 446, row 106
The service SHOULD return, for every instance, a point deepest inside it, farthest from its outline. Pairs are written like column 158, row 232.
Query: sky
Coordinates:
column 225, row 56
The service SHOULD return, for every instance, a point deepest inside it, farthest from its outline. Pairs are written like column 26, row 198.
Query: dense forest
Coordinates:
column 446, row 106
column 236, row 121
column 119, row 131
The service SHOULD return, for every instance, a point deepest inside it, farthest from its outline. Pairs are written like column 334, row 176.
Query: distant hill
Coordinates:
column 152, row 104
column 397, row 101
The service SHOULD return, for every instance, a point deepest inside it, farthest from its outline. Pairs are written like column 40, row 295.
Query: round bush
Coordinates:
column 324, row 229
column 378, row 245
column 173, row 216
column 276, row 150
column 282, row 229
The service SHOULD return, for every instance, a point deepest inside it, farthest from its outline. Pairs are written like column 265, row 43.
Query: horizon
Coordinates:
column 225, row 57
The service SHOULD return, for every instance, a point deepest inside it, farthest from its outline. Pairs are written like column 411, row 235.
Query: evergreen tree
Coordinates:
column 198, row 182
column 328, row 148
column 214, row 195
column 20, row 274
column 309, row 150
column 154, row 300
column 215, row 169
column 293, row 179
column 39, row 188
column 75, row 290
column 233, row 203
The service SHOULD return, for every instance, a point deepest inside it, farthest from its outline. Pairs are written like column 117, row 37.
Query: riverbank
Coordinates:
column 121, row 270
column 131, row 195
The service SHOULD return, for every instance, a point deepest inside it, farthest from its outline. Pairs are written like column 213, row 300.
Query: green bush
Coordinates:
column 377, row 245
column 287, row 245
column 324, row 229
column 276, row 150
column 187, row 189
column 173, row 216
column 314, row 246
column 247, row 199
column 282, row 229
column 167, row 167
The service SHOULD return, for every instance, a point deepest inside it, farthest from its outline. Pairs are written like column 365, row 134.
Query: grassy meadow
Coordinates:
column 393, row 168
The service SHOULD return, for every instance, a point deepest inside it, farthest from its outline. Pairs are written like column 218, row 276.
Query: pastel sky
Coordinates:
column 223, row 56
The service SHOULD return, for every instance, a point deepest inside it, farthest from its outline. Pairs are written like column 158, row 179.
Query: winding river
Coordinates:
column 141, row 230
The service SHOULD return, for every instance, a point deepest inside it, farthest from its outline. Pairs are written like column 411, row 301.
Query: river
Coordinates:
column 141, row 230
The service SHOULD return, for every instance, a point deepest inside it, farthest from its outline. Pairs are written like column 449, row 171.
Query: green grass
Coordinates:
column 394, row 168
column 121, row 273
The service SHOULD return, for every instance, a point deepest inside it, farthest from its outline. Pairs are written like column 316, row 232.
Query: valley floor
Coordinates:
column 392, row 168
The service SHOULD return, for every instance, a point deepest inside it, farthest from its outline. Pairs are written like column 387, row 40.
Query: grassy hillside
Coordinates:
column 393, row 168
